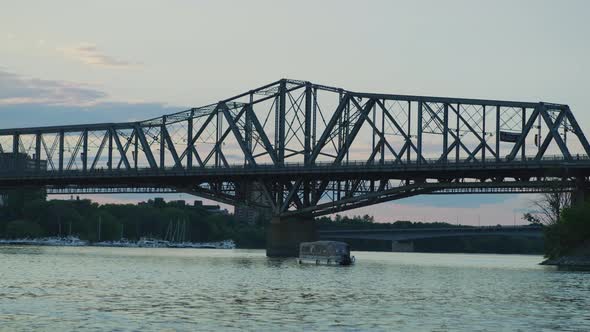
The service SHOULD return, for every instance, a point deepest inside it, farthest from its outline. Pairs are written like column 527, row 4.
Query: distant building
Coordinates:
column 210, row 208
column 20, row 161
column 159, row 202
column 249, row 214
column 178, row 203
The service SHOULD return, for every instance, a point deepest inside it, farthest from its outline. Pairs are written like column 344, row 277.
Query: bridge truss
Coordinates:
column 301, row 148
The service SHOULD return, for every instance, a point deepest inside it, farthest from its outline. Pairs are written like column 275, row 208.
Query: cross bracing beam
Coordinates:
column 300, row 147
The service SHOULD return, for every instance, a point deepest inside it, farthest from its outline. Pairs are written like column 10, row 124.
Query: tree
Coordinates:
column 571, row 231
column 548, row 208
column 22, row 228
column 531, row 218
column 14, row 201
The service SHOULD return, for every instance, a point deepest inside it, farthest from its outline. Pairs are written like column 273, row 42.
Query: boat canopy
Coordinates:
column 324, row 248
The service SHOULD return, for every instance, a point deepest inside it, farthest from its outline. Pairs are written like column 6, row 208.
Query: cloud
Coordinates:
column 90, row 55
column 16, row 89
column 35, row 115
column 26, row 102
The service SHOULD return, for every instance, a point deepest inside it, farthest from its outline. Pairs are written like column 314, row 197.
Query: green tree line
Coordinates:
column 570, row 231
column 26, row 213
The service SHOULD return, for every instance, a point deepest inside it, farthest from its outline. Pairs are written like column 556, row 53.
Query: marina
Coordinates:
column 74, row 241
column 66, row 241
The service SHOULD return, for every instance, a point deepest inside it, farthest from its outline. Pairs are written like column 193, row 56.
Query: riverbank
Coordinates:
column 578, row 258
column 74, row 241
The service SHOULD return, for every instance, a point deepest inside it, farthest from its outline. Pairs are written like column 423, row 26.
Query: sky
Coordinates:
column 64, row 62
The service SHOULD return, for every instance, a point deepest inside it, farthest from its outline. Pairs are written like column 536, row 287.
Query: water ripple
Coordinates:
column 133, row 289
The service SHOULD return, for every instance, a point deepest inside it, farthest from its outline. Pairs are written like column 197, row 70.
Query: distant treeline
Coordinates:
column 26, row 213
column 368, row 222
column 30, row 214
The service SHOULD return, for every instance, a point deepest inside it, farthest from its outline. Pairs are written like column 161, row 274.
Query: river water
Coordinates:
column 137, row 289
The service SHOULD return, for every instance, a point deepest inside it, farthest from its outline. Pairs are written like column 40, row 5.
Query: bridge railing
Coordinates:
column 17, row 168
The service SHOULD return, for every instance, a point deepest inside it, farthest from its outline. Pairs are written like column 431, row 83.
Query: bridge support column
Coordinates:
column 582, row 192
column 399, row 246
column 285, row 235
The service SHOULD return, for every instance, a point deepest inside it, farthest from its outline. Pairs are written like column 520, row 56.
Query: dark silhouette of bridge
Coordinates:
column 301, row 150
column 402, row 238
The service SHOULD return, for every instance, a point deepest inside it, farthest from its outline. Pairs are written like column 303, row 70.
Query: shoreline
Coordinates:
column 569, row 261
column 6, row 244
column 578, row 258
column 144, row 243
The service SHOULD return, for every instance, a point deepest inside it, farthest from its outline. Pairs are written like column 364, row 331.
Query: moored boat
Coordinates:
column 328, row 252
column 145, row 242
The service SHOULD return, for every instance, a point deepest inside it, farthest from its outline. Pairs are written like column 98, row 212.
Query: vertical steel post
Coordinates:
column 281, row 135
column 347, row 127
column 373, row 133
column 15, row 148
column 445, row 132
column 308, row 140
column 564, row 129
column 248, row 129
column 382, row 161
column 313, row 143
column 308, row 112
column 282, row 120
column 538, row 140
column 340, row 123
column 15, row 143
column 85, row 150
column 276, row 131
column 419, row 147
column 38, row 151
column 314, row 117
column 458, row 134
column 497, row 133
column 136, row 148
column 189, row 139
column 162, row 144
column 409, row 139
column 110, row 161
column 218, row 130
column 523, row 151
column 483, row 150
column 61, row 151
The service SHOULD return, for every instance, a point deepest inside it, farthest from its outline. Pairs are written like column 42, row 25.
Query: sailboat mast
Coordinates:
column 99, row 222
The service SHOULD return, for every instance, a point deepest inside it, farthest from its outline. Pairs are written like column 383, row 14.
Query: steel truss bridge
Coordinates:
column 299, row 148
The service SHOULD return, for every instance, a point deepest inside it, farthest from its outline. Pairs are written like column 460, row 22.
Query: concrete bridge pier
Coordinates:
column 402, row 246
column 285, row 235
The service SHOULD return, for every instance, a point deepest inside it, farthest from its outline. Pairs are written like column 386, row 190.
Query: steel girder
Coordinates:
column 298, row 147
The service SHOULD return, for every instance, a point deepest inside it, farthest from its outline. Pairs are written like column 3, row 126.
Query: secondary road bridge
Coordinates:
column 301, row 150
column 402, row 238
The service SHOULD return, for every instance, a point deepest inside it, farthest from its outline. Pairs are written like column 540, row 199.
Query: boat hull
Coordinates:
column 332, row 260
